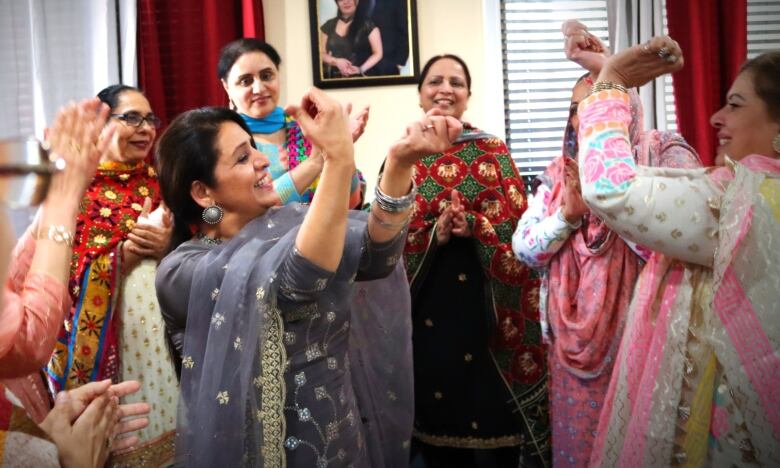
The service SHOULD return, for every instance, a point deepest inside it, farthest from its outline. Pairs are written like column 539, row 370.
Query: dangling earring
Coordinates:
column 213, row 214
column 776, row 143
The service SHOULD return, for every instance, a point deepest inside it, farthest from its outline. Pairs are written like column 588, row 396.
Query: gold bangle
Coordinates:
column 57, row 234
column 605, row 85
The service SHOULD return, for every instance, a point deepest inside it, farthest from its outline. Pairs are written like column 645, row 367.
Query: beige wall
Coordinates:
column 454, row 26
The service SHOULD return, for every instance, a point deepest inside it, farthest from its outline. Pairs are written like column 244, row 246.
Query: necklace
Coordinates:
column 208, row 240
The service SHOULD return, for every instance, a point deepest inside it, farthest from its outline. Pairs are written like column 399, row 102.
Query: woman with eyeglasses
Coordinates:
column 114, row 329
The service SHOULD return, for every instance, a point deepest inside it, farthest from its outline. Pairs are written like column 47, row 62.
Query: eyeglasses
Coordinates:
column 136, row 120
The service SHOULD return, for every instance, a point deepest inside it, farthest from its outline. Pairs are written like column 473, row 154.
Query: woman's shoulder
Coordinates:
column 328, row 27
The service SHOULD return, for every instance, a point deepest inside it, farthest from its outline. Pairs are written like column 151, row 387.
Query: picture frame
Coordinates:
column 340, row 38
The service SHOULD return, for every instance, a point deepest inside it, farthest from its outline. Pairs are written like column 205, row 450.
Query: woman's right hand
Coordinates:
column 642, row 63
column 583, row 48
column 325, row 123
column 83, row 441
column 430, row 135
column 76, row 137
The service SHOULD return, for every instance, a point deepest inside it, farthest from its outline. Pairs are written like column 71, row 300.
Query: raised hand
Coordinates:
column 432, row 134
column 324, row 122
column 357, row 122
column 642, row 63
column 75, row 138
column 582, row 47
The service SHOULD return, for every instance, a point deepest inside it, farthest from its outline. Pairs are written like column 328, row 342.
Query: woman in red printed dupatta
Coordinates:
column 114, row 330
column 480, row 373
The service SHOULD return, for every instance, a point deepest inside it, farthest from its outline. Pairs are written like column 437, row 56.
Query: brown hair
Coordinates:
column 765, row 71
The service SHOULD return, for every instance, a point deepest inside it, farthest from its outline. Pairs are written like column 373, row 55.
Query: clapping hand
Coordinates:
column 452, row 221
column 85, row 421
column 80, row 137
column 357, row 122
column 582, row 47
column 573, row 207
column 151, row 239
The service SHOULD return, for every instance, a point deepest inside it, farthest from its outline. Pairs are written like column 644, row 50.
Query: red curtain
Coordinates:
column 713, row 37
column 178, row 49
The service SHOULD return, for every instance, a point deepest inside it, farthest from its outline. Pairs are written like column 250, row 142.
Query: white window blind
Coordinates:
column 763, row 26
column 537, row 77
column 670, row 116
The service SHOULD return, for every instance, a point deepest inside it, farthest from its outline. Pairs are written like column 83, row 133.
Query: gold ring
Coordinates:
column 75, row 146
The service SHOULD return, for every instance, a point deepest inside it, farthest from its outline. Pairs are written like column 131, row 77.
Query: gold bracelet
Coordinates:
column 605, row 85
column 57, row 234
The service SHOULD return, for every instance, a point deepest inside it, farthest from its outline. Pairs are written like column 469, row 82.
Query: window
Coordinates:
column 763, row 35
column 763, row 26
column 537, row 77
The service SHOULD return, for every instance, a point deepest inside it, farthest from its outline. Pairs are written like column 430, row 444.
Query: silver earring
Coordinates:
column 776, row 143
column 213, row 214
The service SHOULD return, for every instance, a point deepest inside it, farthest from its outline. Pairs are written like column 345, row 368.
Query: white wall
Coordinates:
column 444, row 26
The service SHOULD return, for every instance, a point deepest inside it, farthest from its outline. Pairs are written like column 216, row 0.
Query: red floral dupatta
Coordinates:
column 87, row 349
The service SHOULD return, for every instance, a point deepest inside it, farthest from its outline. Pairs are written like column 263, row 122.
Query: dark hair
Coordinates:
column 110, row 95
column 357, row 18
column 765, row 71
column 187, row 152
column 234, row 50
column 435, row 59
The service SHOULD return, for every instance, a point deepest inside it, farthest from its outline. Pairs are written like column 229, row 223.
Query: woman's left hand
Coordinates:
column 150, row 240
column 433, row 134
column 357, row 122
column 460, row 225
column 642, row 63
column 573, row 207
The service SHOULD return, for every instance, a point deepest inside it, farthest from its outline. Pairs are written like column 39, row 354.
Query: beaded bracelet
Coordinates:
column 605, row 85
column 394, row 204
column 57, row 234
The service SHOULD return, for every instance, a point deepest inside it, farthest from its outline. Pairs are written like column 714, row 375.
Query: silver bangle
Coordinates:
column 394, row 204
column 389, row 225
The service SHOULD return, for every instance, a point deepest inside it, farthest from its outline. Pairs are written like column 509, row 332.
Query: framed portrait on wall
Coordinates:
column 363, row 42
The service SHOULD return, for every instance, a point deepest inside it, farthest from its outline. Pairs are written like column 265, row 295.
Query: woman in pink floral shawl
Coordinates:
column 589, row 277
column 696, row 380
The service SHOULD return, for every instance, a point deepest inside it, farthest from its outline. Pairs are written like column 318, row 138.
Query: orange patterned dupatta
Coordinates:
column 86, row 348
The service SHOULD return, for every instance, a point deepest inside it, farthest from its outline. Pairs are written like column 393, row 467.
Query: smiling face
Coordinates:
column 445, row 88
column 744, row 124
column 130, row 143
column 244, row 187
column 347, row 8
column 253, row 85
